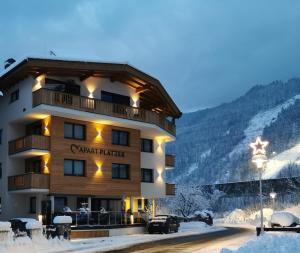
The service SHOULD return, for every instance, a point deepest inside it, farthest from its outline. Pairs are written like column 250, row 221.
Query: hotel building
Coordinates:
column 74, row 132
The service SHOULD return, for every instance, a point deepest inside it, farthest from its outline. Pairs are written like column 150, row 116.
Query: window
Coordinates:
column 147, row 176
column 74, row 168
column 14, row 96
column 120, row 171
column 74, row 131
column 115, row 98
column 33, row 165
column 32, row 205
column 1, row 131
column 120, row 138
column 147, row 145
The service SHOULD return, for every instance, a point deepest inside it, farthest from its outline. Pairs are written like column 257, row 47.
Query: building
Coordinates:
column 78, row 133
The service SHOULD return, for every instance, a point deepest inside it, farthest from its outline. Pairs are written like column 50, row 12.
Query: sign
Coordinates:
column 97, row 151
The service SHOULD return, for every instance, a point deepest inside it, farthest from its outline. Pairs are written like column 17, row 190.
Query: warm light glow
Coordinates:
column 91, row 87
column 159, row 148
column 131, row 219
column 91, row 95
column 99, row 133
column 160, row 175
column 135, row 98
column 259, row 146
column 99, row 168
column 46, row 126
column 46, row 159
column 40, row 218
column 40, row 80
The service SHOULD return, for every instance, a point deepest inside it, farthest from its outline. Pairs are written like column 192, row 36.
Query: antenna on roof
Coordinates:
column 52, row 53
column 8, row 62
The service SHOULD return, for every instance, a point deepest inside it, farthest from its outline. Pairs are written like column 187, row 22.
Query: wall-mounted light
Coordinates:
column 160, row 175
column 46, row 126
column 39, row 82
column 135, row 98
column 99, row 167
column 40, row 218
column 91, row 95
column 131, row 219
column 46, row 159
column 99, row 133
column 159, row 148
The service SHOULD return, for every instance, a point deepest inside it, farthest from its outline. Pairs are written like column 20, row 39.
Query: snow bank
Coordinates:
column 283, row 243
column 33, row 224
column 5, row 226
column 284, row 219
column 237, row 216
column 62, row 220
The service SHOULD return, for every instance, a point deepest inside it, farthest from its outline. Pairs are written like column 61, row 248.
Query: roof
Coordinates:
column 151, row 90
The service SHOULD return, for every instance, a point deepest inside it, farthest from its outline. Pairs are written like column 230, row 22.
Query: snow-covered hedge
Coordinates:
column 284, row 219
column 5, row 226
column 62, row 220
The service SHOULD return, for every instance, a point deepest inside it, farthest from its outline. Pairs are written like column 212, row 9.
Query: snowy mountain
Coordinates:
column 212, row 145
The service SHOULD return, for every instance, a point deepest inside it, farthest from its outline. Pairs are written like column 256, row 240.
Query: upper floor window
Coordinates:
column 14, row 96
column 74, row 167
column 120, row 138
column 120, row 171
column 115, row 98
column 1, row 131
column 147, row 145
column 74, row 131
column 147, row 175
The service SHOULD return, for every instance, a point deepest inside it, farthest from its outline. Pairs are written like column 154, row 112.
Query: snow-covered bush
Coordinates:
column 284, row 219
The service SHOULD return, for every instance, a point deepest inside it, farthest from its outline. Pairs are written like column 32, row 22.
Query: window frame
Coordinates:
column 14, row 96
column 119, row 171
column 143, row 175
column 73, row 131
column 143, row 140
column 73, row 168
column 119, row 137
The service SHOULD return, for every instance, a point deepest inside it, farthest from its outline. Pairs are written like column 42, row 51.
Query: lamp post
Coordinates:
column 273, row 196
column 259, row 158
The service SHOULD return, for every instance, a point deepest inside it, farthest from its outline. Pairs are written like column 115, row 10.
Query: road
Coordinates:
column 205, row 243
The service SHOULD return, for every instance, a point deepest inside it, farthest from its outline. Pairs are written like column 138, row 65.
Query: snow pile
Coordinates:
column 5, row 226
column 282, row 243
column 33, row 224
column 62, row 220
column 239, row 216
column 204, row 214
column 284, row 219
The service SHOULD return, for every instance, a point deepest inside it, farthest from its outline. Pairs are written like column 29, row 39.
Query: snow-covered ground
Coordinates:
column 41, row 245
column 270, row 243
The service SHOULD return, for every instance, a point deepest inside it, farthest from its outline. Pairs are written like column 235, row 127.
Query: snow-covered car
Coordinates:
column 24, row 226
column 204, row 216
column 284, row 219
column 163, row 224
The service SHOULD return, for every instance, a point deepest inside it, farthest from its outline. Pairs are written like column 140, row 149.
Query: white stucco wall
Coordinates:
column 155, row 161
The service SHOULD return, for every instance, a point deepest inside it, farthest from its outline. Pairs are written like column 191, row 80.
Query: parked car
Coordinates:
column 284, row 219
column 24, row 226
column 163, row 224
column 204, row 216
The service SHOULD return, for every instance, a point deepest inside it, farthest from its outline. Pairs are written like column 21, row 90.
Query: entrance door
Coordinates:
column 46, row 212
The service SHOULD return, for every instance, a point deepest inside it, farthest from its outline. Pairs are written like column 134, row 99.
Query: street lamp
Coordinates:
column 273, row 196
column 260, row 159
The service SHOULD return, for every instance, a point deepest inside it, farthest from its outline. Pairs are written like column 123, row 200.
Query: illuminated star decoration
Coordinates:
column 259, row 146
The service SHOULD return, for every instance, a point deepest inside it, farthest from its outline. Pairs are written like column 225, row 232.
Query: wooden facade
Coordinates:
column 98, row 167
column 170, row 160
column 28, row 181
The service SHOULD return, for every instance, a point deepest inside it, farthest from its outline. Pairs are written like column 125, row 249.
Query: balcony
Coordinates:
column 28, row 146
column 85, row 104
column 170, row 161
column 30, row 182
column 170, row 189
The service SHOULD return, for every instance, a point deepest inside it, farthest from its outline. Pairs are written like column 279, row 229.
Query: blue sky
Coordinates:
column 204, row 52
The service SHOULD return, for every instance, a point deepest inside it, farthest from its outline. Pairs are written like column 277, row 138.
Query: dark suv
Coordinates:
column 163, row 224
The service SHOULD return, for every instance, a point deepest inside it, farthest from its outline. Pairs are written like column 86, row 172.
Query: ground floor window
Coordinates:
column 32, row 208
column 120, row 171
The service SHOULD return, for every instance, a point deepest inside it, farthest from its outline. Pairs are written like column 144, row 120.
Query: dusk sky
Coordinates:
column 204, row 52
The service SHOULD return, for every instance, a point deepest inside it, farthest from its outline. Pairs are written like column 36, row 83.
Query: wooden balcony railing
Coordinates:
column 61, row 99
column 29, row 142
column 170, row 160
column 28, row 181
column 170, row 189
